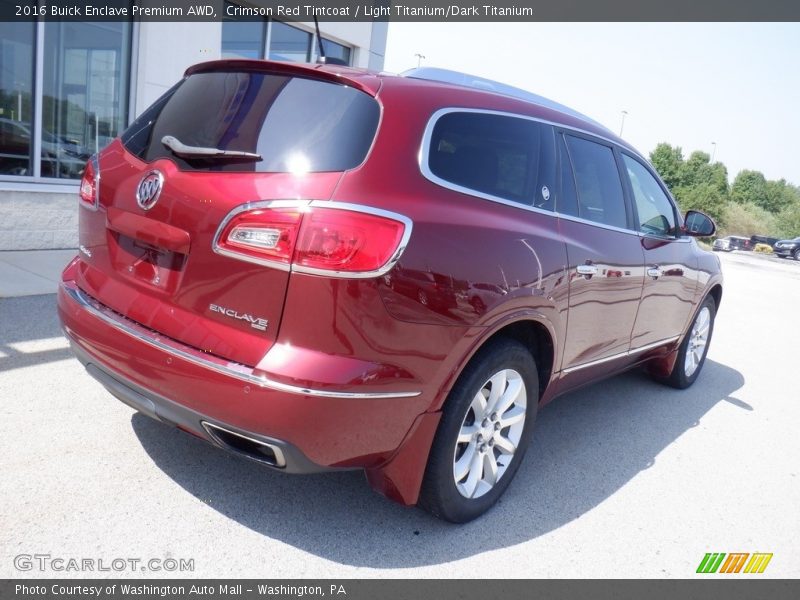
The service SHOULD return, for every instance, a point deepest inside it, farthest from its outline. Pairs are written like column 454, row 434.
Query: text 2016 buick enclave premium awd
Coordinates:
column 326, row 268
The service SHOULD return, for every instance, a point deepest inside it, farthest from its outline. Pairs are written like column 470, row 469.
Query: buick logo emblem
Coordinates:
column 149, row 190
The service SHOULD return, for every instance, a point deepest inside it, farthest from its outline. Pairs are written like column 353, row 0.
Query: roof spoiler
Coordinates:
column 356, row 78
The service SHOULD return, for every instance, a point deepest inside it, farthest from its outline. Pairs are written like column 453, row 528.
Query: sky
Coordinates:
column 688, row 84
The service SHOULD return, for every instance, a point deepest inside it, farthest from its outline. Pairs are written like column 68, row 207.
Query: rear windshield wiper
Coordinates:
column 180, row 149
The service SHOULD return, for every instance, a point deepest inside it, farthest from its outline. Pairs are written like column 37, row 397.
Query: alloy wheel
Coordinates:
column 698, row 338
column 490, row 433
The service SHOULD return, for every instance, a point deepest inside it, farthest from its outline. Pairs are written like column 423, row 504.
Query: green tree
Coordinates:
column 668, row 161
column 750, row 187
column 705, row 197
column 789, row 221
column 780, row 195
column 698, row 171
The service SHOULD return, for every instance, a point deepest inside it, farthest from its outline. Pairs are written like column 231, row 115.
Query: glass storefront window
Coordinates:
column 289, row 43
column 85, row 93
column 243, row 38
column 17, row 51
column 334, row 50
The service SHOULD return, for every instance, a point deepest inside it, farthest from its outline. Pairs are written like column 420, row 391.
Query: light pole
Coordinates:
column 419, row 58
column 713, row 151
column 622, row 125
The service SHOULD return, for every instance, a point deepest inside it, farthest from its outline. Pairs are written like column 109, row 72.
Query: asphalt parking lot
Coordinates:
column 623, row 479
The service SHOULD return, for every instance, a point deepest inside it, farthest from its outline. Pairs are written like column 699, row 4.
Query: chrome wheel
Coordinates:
column 490, row 433
column 698, row 338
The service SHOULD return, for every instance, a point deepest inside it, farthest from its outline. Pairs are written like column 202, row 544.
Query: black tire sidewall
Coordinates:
column 439, row 494
column 678, row 378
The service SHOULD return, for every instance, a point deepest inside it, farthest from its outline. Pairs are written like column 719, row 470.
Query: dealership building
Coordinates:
column 68, row 88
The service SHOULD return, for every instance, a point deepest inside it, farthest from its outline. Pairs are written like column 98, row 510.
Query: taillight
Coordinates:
column 90, row 183
column 322, row 238
column 346, row 240
column 264, row 235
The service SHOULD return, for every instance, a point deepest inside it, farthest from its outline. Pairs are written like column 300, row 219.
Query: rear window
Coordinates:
column 502, row 156
column 295, row 124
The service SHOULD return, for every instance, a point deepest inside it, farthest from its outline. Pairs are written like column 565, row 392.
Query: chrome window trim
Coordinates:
column 310, row 204
column 424, row 166
column 189, row 354
column 627, row 353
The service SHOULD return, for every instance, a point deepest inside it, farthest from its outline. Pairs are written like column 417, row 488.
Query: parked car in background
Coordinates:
column 733, row 242
column 61, row 157
column 322, row 268
column 763, row 239
column 787, row 248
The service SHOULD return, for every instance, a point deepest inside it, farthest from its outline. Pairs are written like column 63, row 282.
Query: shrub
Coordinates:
column 747, row 220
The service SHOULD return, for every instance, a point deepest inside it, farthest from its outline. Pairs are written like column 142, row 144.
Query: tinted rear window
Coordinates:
column 600, row 197
column 295, row 124
column 503, row 156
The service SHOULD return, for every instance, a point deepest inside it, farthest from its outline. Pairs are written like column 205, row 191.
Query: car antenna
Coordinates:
column 324, row 60
column 321, row 58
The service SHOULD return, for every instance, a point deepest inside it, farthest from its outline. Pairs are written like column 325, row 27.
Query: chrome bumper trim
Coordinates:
column 192, row 355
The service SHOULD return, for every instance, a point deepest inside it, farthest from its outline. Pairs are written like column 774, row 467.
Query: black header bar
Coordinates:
column 402, row 10
column 709, row 587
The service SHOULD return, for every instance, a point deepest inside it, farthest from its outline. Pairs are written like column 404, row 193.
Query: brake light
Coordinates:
column 90, row 182
column 325, row 238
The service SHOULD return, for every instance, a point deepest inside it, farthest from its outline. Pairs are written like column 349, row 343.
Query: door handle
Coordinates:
column 655, row 272
column 587, row 270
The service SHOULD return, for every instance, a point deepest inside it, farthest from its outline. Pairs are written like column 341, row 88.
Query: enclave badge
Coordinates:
column 149, row 190
column 255, row 322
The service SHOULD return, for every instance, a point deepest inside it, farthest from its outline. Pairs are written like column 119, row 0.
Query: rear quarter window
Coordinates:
column 295, row 124
column 506, row 157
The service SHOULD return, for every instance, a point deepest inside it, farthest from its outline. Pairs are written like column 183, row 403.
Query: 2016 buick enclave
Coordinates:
column 320, row 267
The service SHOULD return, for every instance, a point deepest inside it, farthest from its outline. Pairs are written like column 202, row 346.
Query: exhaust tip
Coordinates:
column 250, row 447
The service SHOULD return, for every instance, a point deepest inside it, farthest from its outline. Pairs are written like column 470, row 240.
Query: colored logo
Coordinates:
column 734, row 562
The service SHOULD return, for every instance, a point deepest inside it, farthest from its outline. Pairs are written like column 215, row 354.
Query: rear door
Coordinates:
column 605, row 255
column 152, row 258
column 670, row 277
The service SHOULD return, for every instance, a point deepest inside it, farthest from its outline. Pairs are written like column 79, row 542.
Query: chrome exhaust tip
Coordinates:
column 245, row 445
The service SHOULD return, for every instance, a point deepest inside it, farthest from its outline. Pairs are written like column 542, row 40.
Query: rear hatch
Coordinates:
column 280, row 133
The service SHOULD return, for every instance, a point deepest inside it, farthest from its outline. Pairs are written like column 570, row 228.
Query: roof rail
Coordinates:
column 480, row 83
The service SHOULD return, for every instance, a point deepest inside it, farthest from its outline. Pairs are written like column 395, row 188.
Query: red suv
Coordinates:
column 321, row 268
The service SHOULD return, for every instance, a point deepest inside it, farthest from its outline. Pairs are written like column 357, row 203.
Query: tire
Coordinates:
column 492, row 450
column 689, row 362
column 797, row 254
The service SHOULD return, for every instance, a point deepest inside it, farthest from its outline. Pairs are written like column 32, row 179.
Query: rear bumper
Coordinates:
column 269, row 451
column 308, row 429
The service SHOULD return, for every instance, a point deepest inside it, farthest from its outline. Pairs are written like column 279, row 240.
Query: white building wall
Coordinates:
column 166, row 50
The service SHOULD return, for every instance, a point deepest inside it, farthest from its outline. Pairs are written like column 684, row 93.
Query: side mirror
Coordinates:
column 697, row 224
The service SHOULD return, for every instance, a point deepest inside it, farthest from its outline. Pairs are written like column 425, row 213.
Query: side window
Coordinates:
column 656, row 214
column 502, row 156
column 568, row 198
column 600, row 197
